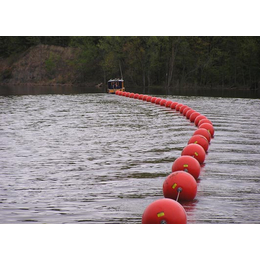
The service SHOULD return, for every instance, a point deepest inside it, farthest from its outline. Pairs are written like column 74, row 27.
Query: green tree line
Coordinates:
column 167, row 61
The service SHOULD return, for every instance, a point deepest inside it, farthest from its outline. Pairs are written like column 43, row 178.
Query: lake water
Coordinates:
column 99, row 158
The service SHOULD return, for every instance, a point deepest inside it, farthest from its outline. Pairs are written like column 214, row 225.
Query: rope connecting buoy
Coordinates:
column 164, row 211
column 181, row 183
column 188, row 164
column 201, row 140
column 183, row 180
column 196, row 151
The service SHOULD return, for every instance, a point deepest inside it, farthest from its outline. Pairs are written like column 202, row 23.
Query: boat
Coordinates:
column 115, row 84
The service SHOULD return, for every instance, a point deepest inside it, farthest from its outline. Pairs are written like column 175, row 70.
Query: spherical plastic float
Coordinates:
column 131, row 95
column 157, row 101
column 208, row 127
column 117, row 92
column 153, row 99
column 127, row 94
column 182, row 108
column 141, row 96
column 173, row 105
column 188, row 164
column 164, row 211
column 198, row 119
column 144, row 97
column 196, row 151
column 185, row 110
column 180, row 186
column 168, row 103
column 124, row 93
column 136, row 96
column 204, row 132
column 193, row 116
column 148, row 99
column 163, row 102
column 189, row 112
column 205, row 120
column 200, row 140
column 177, row 108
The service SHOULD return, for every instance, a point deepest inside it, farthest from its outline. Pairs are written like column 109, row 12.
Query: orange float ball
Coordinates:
column 153, row 99
column 209, row 128
column 198, row 119
column 168, row 103
column 200, row 140
column 157, row 101
column 193, row 116
column 188, row 164
column 205, row 120
column 196, row 151
column 181, row 183
column 189, row 112
column 163, row 102
column 204, row 132
column 164, row 211
column 173, row 105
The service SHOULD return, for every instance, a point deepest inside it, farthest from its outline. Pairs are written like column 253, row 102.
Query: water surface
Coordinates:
column 98, row 158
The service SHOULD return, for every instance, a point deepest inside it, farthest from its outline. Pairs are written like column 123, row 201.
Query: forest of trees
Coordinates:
column 168, row 61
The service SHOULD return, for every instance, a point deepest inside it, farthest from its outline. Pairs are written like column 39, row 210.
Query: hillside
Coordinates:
column 41, row 65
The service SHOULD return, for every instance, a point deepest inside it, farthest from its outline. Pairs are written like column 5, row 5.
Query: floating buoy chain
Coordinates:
column 181, row 184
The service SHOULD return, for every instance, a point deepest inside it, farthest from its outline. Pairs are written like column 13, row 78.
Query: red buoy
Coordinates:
column 145, row 97
column 177, row 108
column 168, row 103
column 131, row 95
column 189, row 112
column 117, row 92
column 180, row 185
column 124, row 93
column 163, row 102
column 196, row 151
column 157, row 101
column 148, row 99
column 201, row 140
column 136, row 96
column 193, row 116
column 205, row 120
column 182, row 108
column 164, row 211
column 188, row 164
column 208, row 127
column 185, row 110
column 153, row 99
column 204, row 132
column 174, row 104
column 127, row 94
column 198, row 119
column 141, row 96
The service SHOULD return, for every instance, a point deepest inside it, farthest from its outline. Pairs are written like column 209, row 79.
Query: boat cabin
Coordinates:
column 115, row 84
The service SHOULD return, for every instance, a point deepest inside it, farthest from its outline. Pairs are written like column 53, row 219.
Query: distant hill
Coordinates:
column 41, row 65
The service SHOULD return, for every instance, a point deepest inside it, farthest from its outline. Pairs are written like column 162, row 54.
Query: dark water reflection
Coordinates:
column 98, row 158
